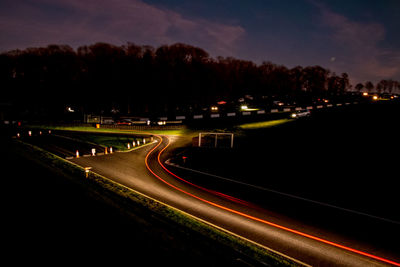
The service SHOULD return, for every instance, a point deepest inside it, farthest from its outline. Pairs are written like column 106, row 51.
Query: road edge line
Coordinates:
column 284, row 194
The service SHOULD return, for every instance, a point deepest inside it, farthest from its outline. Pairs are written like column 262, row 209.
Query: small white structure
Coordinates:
column 216, row 138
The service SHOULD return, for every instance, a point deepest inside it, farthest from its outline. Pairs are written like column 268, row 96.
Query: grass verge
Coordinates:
column 239, row 244
column 90, row 129
column 263, row 124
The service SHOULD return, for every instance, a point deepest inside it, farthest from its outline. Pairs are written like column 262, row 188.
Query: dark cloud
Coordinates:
column 307, row 32
column 359, row 47
column 117, row 22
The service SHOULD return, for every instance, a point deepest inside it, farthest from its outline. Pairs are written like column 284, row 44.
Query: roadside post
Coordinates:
column 199, row 139
column 87, row 169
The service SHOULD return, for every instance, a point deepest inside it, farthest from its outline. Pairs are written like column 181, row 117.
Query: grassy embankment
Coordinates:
column 263, row 124
column 91, row 129
column 116, row 138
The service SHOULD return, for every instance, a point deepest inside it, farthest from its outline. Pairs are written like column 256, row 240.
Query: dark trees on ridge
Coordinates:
column 140, row 79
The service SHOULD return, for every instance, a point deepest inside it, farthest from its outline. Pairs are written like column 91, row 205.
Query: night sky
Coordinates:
column 360, row 37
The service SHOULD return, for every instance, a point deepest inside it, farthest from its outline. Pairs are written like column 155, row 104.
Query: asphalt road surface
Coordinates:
column 144, row 171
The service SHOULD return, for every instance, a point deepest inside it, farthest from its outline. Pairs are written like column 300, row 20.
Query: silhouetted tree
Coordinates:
column 369, row 86
column 359, row 87
column 138, row 79
column 381, row 85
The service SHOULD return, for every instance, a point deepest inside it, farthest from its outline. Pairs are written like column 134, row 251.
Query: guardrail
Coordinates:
column 259, row 112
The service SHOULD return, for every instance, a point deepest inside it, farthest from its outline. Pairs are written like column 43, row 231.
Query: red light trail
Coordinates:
column 244, row 202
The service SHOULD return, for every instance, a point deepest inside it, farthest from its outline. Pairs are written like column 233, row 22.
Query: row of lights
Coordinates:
column 243, row 108
column 93, row 151
column 134, row 143
column 137, row 143
column 375, row 97
column 106, row 151
column 30, row 133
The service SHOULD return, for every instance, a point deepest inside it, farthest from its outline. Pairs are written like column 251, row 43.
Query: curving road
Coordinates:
column 143, row 170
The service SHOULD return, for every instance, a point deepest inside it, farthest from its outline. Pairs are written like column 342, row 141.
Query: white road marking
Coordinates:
column 285, row 194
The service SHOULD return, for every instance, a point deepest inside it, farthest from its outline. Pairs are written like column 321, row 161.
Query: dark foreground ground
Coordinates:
column 51, row 219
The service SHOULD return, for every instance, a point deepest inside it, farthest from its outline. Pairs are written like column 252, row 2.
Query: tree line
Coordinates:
column 383, row 86
column 136, row 79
